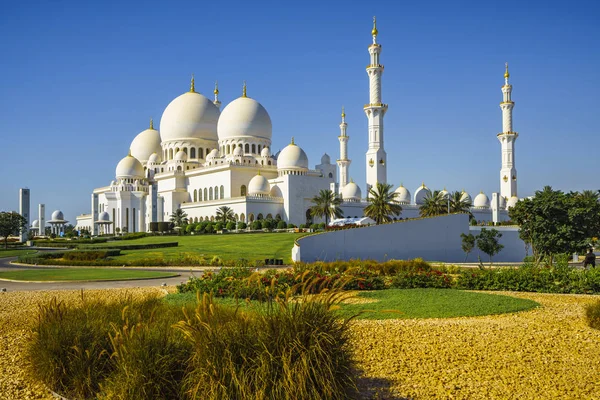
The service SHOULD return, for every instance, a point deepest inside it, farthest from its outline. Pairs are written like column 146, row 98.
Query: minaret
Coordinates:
column 343, row 163
column 508, row 173
column 216, row 92
column 375, row 110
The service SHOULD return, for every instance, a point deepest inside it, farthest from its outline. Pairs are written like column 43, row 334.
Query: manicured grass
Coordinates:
column 251, row 246
column 81, row 274
column 15, row 252
column 404, row 303
column 433, row 303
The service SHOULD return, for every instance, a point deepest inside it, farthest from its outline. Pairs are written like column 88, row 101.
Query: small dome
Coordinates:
column 57, row 216
column 481, row 201
column 502, row 202
column 403, row 196
column 189, row 116
column 444, row 194
column 325, row 159
column 104, row 217
column 465, row 197
column 292, row 157
column 420, row 194
column 512, row 202
column 276, row 192
column 259, row 185
column 181, row 156
column 244, row 117
column 129, row 167
column 351, row 192
column 154, row 158
column 265, row 152
column 35, row 223
column 213, row 153
column 145, row 144
column 238, row 152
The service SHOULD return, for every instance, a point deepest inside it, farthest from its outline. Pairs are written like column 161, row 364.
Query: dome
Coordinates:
column 420, row 194
column 502, row 202
column 145, row 144
column 276, row 191
column 512, row 202
column 292, row 157
column 265, row 152
column 244, row 117
column 403, row 196
column 465, row 197
column 238, row 152
column 351, row 192
column 444, row 194
column 154, row 158
column 259, row 185
column 129, row 167
column 213, row 153
column 35, row 223
column 481, row 201
column 189, row 116
column 181, row 156
column 103, row 217
column 325, row 159
column 57, row 216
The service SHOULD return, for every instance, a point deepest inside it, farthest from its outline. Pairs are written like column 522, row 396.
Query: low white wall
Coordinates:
column 433, row 239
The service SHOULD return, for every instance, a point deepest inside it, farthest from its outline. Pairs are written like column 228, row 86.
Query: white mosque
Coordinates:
column 204, row 158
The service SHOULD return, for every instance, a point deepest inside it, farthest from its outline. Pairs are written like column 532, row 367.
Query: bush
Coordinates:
column 267, row 224
column 209, row 228
column 291, row 226
column 230, row 226
column 281, row 225
column 592, row 314
column 242, row 225
column 314, row 227
column 89, row 255
column 256, row 225
column 218, row 226
column 131, row 236
column 421, row 279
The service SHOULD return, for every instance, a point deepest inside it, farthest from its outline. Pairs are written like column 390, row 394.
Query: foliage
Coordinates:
column 468, row 244
column 11, row 223
column 553, row 222
column 383, row 205
column 487, row 241
column 230, row 226
column 225, row 214
column 131, row 236
column 241, row 225
column 458, row 204
column 281, row 225
column 256, row 225
column 326, row 204
column 179, row 218
column 421, row 279
column 592, row 314
column 434, row 203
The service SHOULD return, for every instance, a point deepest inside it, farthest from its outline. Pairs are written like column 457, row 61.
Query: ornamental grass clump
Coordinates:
column 592, row 314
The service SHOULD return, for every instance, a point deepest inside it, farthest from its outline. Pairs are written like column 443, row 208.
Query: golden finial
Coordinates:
column 423, row 184
column 292, row 143
column 216, row 91
column 244, row 90
column 374, row 32
column 259, row 172
column 192, row 86
column 351, row 180
column 151, row 123
column 506, row 74
column 343, row 112
column 401, row 185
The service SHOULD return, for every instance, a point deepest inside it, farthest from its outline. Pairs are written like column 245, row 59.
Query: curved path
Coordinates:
column 5, row 265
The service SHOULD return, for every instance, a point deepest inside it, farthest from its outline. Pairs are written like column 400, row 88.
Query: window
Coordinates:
column 253, row 149
column 247, row 149
column 222, row 192
column 185, row 150
column 243, row 190
column 260, row 216
column 207, row 151
column 192, row 152
column 200, row 155
column 216, row 192
column 179, row 168
column 330, row 175
column 269, row 216
column 210, row 194
column 205, row 194
column 195, row 195
column 242, row 217
column 170, row 154
column 251, row 218
column 228, row 149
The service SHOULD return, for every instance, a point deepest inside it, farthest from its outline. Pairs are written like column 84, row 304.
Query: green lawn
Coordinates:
column 15, row 252
column 81, row 274
column 407, row 303
column 251, row 246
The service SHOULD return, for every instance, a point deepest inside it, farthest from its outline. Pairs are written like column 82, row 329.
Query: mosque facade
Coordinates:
column 204, row 158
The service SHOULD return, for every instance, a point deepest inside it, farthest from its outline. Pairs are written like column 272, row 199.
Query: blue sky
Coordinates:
column 78, row 81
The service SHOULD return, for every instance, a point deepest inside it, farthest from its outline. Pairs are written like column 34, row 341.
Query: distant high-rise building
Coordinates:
column 24, row 198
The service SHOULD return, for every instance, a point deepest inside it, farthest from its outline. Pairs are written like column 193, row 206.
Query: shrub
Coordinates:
column 281, row 225
column 314, row 227
column 256, row 225
column 231, row 226
column 199, row 228
column 421, row 279
column 131, row 236
column 267, row 224
column 291, row 226
column 218, row 226
column 242, row 225
column 592, row 314
column 209, row 228
column 89, row 255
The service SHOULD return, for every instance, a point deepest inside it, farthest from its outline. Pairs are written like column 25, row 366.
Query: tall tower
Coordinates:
column 343, row 163
column 508, row 173
column 42, row 219
column 24, row 205
column 375, row 110
column 216, row 92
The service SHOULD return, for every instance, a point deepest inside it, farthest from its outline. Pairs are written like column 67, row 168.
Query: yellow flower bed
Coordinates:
column 549, row 352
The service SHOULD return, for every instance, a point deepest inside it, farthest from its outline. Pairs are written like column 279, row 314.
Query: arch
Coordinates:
column 192, row 152
column 170, row 154
column 258, row 148
column 269, row 162
column 212, row 218
column 200, row 155
column 176, row 150
column 216, row 192
column 228, row 149
column 210, row 194
column 207, row 151
column 237, row 217
column 243, row 190
column 195, row 195
column 205, row 194
column 259, row 216
column 242, row 217
column 262, row 162
column 162, row 170
column 199, row 194
column 201, row 219
column 330, row 175
column 222, row 192
column 251, row 217
column 185, row 150
column 247, row 148
column 269, row 216
column 179, row 168
column 278, row 217
column 195, row 220
column 253, row 149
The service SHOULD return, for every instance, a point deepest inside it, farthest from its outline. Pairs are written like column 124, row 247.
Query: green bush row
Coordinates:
column 150, row 349
column 145, row 246
column 130, row 236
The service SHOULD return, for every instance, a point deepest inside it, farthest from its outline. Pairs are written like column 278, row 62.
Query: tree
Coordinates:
column 383, row 205
column 434, row 203
column 179, row 218
column 326, row 204
column 225, row 215
column 459, row 205
column 487, row 241
column 11, row 223
column 468, row 244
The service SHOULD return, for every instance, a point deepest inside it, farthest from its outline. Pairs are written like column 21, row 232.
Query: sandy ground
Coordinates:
column 546, row 353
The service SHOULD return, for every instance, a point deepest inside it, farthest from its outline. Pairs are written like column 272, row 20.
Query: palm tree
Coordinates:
column 592, row 195
column 458, row 204
column 382, row 203
column 225, row 214
column 179, row 218
column 434, row 204
column 326, row 204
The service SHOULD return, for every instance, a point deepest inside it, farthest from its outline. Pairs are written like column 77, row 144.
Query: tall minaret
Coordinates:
column 508, row 173
column 343, row 163
column 216, row 92
column 375, row 110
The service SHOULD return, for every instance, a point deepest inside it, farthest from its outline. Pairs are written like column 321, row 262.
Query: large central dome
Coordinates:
column 189, row 116
column 244, row 117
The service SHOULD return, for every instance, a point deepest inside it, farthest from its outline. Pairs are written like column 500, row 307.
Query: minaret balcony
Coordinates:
column 372, row 66
column 508, row 133
column 375, row 105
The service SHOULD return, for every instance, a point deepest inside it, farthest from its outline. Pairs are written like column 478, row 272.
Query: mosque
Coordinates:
column 204, row 158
